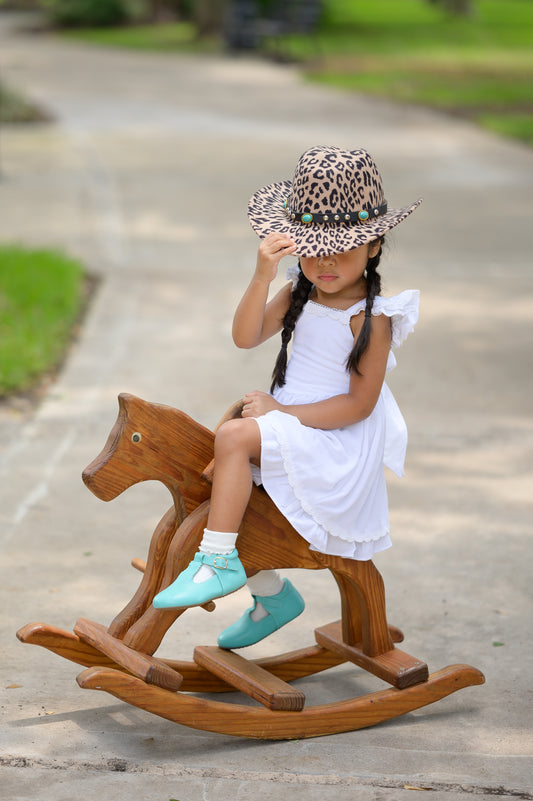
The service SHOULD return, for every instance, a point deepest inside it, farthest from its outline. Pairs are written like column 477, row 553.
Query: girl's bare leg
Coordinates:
column 216, row 569
column 237, row 443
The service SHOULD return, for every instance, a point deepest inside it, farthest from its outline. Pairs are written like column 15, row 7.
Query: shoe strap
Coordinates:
column 220, row 561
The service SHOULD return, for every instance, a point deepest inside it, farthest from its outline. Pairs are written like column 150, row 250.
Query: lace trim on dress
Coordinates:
column 300, row 496
column 341, row 315
column 402, row 309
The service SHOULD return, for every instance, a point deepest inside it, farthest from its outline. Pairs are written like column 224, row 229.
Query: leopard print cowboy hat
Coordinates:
column 334, row 203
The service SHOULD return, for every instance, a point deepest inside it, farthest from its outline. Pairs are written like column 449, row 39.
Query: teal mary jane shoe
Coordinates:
column 281, row 608
column 229, row 575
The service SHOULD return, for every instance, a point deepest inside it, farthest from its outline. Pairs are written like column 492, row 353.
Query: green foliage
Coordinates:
column 479, row 67
column 41, row 293
column 164, row 37
column 86, row 13
column 389, row 26
column 15, row 108
column 464, row 7
column 519, row 126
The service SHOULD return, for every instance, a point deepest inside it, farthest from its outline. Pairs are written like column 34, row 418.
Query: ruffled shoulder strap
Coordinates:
column 293, row 273
column 403, row 311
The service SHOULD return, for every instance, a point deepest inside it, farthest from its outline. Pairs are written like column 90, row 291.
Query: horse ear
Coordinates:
column 125, row 400
column 131, row 407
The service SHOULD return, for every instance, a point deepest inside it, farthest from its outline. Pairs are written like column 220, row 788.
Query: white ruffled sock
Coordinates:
column 214, row 542
column 266, row 582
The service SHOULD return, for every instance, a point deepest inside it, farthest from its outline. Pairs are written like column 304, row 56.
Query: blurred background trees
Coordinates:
column 463, row 8
column 471, row 58
column 209, row 16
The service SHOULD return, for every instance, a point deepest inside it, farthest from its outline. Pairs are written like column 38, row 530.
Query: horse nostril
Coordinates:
column 136, row 437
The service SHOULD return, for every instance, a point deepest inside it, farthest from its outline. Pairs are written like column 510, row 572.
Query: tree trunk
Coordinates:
column 208, row 16
column 459, row 8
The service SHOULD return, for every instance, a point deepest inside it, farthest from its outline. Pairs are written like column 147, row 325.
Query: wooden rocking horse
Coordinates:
column 150, row 441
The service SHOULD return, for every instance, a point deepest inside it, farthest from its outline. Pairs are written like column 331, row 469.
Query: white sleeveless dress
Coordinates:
column 330, row 485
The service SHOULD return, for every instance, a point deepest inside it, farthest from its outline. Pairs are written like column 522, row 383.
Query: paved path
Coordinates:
column 146, row 176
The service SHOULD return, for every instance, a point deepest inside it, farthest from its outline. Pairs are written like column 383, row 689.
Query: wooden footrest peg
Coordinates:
column 145, row 667
column 396, row 667
column 250, row 678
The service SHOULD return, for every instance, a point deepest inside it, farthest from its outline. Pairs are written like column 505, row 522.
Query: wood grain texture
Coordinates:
column 144, row 666
column 250, row 678
column 264, row 724
column 288, row 666
column 126, row 460
column 153, row 572
column 154, row 442
column 394, row 666
column 150, row 441
column 148, row 631
column 362, row 589
column 65, row 644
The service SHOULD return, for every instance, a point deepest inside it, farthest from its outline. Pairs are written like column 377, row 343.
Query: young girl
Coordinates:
column 318, row 442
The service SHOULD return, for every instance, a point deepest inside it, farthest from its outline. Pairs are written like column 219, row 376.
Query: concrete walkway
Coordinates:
column 145, row 176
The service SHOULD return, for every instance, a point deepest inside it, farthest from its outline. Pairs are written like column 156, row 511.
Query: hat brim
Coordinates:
column 267, row 215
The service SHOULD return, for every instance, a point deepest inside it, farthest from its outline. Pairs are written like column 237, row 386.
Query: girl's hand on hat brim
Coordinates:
column 271, row 250
column 258, row 403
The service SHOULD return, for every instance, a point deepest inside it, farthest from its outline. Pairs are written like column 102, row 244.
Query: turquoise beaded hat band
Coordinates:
column 334, row 203
column 362, row 216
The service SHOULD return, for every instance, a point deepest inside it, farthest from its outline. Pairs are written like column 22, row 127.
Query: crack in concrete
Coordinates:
column 118, row 765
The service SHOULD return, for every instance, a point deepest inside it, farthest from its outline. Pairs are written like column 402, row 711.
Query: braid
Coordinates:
column 373, row 288
column 299, row 297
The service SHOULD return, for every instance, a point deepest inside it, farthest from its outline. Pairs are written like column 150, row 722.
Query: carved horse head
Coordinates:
column 150, row 441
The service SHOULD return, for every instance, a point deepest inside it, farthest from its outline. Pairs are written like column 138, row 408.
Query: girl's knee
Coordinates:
column 241, row 434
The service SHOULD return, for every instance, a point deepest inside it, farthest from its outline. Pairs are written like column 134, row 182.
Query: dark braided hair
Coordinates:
column 373, row 288
column 300, row 296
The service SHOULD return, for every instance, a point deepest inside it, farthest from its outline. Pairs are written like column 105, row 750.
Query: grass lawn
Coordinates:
column 411, row 51
column 15, row 108
column 479, row 67
column 41, row 296
column 170, row 36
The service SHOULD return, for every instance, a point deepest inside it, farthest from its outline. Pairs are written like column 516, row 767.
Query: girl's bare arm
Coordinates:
column 340, row 410
column 257, row 319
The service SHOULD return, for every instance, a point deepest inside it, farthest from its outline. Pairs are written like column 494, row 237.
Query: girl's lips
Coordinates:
column 327, row 277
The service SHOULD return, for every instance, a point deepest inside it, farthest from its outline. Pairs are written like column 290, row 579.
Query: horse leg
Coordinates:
column 154, row 571
column 364, row 618
column 146, row 634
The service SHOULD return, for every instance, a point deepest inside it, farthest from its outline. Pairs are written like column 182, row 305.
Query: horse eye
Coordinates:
column 136, row 437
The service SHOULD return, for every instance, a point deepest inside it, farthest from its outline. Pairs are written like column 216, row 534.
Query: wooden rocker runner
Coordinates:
column 150, row 441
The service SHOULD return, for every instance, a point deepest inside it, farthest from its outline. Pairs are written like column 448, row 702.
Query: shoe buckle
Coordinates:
column 220, row 562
